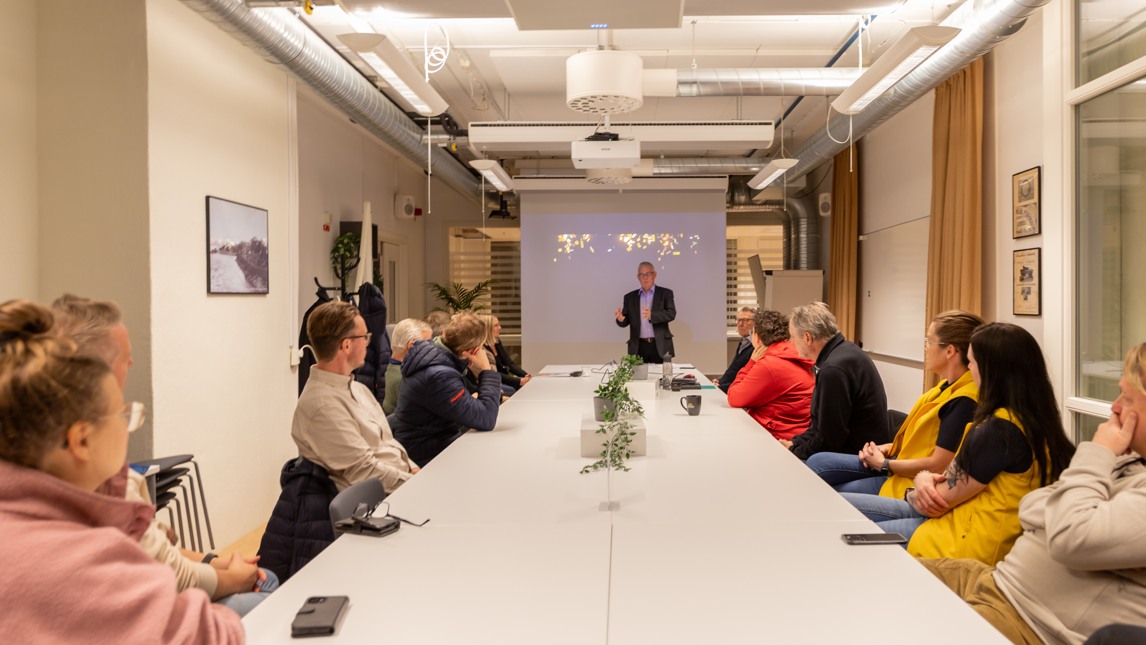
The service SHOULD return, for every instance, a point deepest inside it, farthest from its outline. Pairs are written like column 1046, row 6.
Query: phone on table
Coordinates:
column 318, row 616
column 873, row 538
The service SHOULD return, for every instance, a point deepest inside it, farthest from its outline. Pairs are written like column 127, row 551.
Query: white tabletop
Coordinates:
column 719, row 535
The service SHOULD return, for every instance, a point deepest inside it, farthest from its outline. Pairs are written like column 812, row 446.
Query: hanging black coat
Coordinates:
column 372, row 306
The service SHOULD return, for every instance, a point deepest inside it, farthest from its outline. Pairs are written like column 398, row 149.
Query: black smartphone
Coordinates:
column 319, row 616
column 873, row 538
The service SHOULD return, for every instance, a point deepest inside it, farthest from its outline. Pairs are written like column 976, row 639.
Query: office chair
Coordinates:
column 368, row 491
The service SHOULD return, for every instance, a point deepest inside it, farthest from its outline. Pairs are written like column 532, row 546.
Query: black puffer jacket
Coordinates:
column 299, row 528
column 433, row 405
column 372, row 374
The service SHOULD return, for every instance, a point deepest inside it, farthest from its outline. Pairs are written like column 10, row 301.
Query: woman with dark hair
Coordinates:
column 933, row 430
column 775, row 385
column 73, row 568
column 1017, row 444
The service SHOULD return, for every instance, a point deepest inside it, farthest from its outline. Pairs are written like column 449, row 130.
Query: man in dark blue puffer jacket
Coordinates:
column 433, row 405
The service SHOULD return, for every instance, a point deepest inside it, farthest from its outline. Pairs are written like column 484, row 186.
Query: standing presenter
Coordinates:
column 647, row 313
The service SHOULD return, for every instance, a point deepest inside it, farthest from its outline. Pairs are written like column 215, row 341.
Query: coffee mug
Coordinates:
column 691, row 403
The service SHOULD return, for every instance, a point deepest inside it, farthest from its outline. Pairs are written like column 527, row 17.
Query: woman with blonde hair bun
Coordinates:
column 73, row 570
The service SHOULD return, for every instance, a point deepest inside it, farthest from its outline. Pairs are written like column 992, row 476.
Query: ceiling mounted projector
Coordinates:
column 606, row 154
column 604, row 81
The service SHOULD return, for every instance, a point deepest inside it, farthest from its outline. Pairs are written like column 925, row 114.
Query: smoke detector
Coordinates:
column 604, row 81
column 609, row 176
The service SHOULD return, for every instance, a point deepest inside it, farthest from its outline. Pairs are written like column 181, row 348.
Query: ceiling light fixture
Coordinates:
column 494, row 174
column 905, row 55
column 396, row 69
column 771, row 172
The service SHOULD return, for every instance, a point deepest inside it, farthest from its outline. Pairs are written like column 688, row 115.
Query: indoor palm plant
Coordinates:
column 456, row 297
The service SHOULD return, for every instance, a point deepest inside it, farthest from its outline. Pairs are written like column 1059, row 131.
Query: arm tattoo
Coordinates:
column 955, row 474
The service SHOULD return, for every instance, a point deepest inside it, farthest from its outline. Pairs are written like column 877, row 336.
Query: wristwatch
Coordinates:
column 885, row 469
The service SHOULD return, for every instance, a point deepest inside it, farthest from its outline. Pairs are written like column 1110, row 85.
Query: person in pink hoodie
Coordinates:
column 775, row 386
column 73, row 568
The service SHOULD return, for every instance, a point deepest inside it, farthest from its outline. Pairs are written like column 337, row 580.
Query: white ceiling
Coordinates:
column 497, row 72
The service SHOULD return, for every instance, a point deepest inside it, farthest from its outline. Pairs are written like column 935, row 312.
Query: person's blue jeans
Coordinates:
column 846, row 473
column 892, row 515
column 243, row 603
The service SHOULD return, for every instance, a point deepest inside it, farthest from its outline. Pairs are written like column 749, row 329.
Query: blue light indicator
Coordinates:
column 599, row 25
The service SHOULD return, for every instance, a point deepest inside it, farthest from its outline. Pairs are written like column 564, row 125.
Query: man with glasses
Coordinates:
column 744, row 324
column 98, row 330
column 338, row 424
column 647, row 313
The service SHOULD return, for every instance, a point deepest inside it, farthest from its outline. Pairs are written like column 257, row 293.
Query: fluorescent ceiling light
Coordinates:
column 396, row 69
column 494, row 174
column 774, row 169
column 902, row 57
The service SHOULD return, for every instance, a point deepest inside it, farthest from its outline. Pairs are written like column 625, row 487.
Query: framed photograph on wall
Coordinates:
column 237, row 250
column 1028, row 278
column 1026, row 219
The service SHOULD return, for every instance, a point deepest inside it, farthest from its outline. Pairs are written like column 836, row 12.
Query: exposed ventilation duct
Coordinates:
column 292, row 45
column 801, row 232
column 984, row 25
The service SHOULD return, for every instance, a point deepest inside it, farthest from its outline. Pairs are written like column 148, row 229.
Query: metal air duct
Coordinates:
column 292, row 45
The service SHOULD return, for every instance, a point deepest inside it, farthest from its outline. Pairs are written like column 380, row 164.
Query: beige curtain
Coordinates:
column 955, row 244
column 844, row 251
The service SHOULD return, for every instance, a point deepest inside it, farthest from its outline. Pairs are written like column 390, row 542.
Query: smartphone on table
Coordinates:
column 318, row 616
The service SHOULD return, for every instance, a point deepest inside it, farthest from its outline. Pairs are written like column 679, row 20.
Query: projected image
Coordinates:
column 658, row 245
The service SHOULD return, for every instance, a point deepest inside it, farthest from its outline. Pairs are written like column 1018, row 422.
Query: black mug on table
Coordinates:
column 691, row 403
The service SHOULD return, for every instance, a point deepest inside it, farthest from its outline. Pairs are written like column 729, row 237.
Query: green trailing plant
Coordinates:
column 456, row 297
column 617, row 446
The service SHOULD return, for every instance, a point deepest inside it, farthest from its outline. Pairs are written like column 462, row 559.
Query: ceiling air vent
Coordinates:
column 604, row 81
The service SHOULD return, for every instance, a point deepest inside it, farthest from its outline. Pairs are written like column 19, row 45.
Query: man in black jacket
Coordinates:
column 849, row 405
column 647, row 313
column 744, row 326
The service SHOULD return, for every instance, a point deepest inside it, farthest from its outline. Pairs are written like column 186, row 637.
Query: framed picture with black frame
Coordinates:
column 1026, row 218
column 237, row 248
column 1027, row 298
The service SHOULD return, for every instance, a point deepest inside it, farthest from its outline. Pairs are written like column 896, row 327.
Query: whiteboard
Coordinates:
column 894, row 289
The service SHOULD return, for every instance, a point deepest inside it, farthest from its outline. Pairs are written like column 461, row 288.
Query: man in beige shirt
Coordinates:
column 338, row 423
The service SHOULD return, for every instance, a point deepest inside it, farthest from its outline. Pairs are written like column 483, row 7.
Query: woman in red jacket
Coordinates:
column 775, row 386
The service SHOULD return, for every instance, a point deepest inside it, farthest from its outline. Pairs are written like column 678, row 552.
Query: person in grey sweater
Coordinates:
column 1080, row 563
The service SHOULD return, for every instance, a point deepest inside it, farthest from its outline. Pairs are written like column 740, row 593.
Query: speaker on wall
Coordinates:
column 404, row 207
column 825, row 204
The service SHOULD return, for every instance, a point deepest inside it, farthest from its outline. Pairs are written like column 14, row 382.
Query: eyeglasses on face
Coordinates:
column 367, row 336
column 743, row 320
column 927, row 342
column 646, row 274
column 133, row 413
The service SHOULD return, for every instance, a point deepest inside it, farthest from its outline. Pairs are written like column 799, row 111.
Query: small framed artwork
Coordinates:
column 1027, row 277
column 1026, row 219
column 237, row 250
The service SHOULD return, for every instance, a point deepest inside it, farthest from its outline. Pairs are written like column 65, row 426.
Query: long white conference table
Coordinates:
column 719, row 535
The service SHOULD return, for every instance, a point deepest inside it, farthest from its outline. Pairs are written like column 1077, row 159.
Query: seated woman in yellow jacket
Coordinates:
column 933, row 430
column 1017, row 445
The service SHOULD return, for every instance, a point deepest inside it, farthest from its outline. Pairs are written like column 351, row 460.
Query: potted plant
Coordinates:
column 458, row 298
column 614, row 406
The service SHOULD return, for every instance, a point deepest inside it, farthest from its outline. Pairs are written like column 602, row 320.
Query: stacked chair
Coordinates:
column 174, row 488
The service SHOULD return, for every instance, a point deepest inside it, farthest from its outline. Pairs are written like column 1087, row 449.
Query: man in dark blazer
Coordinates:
column 744, row 326
column 647, row 312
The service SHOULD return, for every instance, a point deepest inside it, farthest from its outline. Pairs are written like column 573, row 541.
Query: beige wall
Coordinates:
column 341, row 166
column 219, row 123
column 19, row 242
column 92, row 167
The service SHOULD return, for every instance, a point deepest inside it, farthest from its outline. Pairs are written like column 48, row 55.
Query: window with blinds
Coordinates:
column 742, row 243
column 491, row 254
